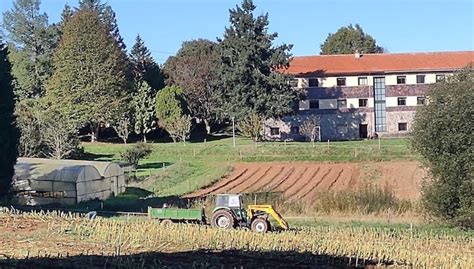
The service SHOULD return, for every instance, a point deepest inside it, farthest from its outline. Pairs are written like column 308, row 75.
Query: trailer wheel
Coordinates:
column 166, row 222
column 222, row 219
column 260, row 225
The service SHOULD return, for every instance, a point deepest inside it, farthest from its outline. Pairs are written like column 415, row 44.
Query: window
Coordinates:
column 313, row 82
column 420, row 79
column 341, row 81
column 274, row 131
column 363, row 102
column 294, row 82
column 440, row 78
column 401, row 79
column 342, row 103
column 295, row 130
column 379, row 104
column 342, row 129
column 313, row 104
column 402, row 126
column 420, row 100
column 363, row 81
column 402, row 101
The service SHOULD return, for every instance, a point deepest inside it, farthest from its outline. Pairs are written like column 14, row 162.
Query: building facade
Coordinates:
column 361, row 96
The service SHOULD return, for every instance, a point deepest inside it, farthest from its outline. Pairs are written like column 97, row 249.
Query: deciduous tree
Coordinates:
column 194, row 69
column 9, row 134
column 348, row 40
column 170, row 108
column 443, row 134
column 310, row 128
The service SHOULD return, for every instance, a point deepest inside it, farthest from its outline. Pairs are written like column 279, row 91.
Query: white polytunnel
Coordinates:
column 44, row 181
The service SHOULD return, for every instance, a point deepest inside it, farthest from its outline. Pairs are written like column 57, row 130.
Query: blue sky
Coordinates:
column 399, row 26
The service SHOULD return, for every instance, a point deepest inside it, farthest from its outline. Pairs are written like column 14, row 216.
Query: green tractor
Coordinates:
column 230, row 213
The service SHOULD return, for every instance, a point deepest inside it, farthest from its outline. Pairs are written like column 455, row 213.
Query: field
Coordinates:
column 303, row 181
column 198, row 164
column 68, row 241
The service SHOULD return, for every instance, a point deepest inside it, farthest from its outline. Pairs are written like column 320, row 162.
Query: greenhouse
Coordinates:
column 44, row 181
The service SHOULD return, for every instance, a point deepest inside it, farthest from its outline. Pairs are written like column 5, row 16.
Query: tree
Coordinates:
column 144, row 66
column 251, row 126
column 59, row 135
column 194, row 69
column 170, row 107
column 443, row 135
column 349, row 40
column 310, row 128
column 123, row 127
column 89, row 82
column 143, row 107
column 32, row 42
column 29, row 120
column 9, row 134
column 107, row 16
column 251, row 78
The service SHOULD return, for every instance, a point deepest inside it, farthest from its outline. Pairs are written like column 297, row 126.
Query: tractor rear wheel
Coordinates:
column 166, row 222
column 222, row 219
column 260, row 225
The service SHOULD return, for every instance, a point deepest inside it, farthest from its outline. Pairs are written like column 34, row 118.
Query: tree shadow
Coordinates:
column 156, row 165
column 87, row 156
column 201, row 258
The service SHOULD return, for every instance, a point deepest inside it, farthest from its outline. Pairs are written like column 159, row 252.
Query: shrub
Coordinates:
column 136, row 153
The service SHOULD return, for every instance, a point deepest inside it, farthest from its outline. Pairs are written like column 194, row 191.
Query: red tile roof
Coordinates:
column 379, row 63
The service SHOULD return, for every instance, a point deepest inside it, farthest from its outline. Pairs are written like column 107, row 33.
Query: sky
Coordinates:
column 399, row 26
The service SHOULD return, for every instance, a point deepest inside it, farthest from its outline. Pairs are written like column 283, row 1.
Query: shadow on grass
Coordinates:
column 96, row 157
column 153, row 165
column 192, row 259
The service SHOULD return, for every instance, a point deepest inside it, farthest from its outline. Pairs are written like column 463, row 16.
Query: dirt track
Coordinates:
column 303, row 180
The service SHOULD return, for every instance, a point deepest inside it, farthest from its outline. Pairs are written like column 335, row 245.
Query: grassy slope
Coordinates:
column 194, row 165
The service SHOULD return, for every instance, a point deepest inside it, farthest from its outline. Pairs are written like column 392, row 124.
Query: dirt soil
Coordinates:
column 303, row 181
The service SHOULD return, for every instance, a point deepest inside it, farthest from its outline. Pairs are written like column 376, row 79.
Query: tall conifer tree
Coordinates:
column 9, row 134
column 90, row 74
column 251, row 81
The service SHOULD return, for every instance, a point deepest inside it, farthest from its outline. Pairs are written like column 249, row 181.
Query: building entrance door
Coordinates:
column 362, row 130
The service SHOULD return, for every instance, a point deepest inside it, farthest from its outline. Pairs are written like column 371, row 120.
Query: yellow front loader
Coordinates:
column 229, row 213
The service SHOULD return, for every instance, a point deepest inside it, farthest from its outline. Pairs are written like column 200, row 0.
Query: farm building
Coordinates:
column 44, row 181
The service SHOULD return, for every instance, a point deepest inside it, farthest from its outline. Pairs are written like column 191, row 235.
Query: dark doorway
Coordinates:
column 362, row 130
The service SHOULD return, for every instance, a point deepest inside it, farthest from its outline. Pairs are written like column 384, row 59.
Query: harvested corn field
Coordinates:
column 65, row 241
column 302, row 181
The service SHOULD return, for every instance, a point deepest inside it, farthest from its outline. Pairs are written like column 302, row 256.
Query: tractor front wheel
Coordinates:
column 260, row 225
column 222, row 219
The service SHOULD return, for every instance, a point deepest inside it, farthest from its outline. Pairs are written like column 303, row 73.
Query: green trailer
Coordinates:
column 175, row 215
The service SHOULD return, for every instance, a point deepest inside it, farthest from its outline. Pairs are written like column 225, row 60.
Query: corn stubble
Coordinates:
column 382, row 246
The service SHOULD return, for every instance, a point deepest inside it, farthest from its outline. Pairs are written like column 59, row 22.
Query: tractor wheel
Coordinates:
column 260, row 225
column 222, row 219
column 166, row 222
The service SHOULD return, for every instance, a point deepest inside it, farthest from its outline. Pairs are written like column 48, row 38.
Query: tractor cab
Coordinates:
column 231, row 203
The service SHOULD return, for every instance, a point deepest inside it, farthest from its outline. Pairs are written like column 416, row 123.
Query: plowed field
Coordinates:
column 303, row 181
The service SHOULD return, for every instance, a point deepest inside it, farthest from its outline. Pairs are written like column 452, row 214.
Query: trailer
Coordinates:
column 177, row 215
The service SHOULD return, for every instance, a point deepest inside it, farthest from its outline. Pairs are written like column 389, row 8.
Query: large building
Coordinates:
column 364, row 95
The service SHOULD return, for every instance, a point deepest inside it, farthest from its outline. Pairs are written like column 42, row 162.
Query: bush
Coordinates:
column 135, row 153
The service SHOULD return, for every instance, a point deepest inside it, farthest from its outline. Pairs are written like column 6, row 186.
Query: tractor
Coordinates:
column 230, row 213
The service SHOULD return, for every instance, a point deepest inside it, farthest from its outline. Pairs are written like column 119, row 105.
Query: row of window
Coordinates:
column 342, row 129
column 363, row 102
column 363, row 81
